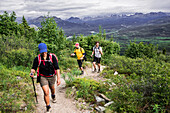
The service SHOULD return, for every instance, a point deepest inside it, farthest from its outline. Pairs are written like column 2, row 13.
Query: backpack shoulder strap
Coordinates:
column 81, row 49
column 39, row 60
column 51, row 54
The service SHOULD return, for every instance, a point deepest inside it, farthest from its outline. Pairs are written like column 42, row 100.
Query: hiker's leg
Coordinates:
column 81, row 68
column 98, row 66
column 94, row 65
column 80, row 64
column 51, row 82
column 94, row 62
column 46, row 94
column 98, row 63
column 52, row 90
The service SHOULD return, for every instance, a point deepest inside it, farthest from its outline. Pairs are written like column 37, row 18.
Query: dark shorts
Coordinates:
column 80, row 63
column 97, row 60
column 47, row 81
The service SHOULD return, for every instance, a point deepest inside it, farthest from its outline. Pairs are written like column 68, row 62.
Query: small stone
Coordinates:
column 68, row 69
column 99, row 99
column 84, row 103
column 19, row 78
column 73, row 87
column 92, row 105
column 113, row 84
column 104, row 97
column 102, row 108
column 97, row 109
column 116, row 73
column 109, row 103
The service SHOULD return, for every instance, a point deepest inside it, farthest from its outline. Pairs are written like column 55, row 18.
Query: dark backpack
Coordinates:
column 51, row 64
column 95, row 48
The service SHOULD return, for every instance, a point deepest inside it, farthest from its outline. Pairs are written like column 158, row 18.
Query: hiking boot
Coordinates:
column 99, row 70
column 82, row 73
column 94, row 70
column 54, row 100
column 48, row 109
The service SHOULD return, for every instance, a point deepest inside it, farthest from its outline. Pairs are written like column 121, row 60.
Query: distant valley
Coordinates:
column 157, row 23
column 152, row 27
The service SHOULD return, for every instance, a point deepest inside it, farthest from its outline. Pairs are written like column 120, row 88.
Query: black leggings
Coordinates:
column 80, row 63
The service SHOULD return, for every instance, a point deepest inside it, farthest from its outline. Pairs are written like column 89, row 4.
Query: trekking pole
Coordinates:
column 34, row 89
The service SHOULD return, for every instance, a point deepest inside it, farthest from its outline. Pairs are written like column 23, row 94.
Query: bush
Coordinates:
column 16, row 51
column 87, row 88
column 15, row 91
column 139, row 66
column 140, row 50
column 143, row 80
column 125, row 99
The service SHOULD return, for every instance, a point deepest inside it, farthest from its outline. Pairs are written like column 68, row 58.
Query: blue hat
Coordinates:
column 42, row 47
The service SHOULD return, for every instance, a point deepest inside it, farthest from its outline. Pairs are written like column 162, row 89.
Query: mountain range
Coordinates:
column 157, row 22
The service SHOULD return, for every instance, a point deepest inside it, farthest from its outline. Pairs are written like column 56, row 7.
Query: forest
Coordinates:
column 141, row 86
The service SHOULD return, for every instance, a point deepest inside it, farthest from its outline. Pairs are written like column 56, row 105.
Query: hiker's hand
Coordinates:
column 58, row 82
column 73, row 54
column 32, row 75
column 81, row 58
column 91, row 55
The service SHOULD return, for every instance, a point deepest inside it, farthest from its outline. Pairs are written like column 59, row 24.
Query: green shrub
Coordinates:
column 16, row 91
column 139, row 66
column 87, row 88
column 140, row 50
column 125, row 99
column 144, row 80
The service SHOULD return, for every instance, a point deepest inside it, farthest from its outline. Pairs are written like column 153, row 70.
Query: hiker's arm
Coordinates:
column 34, row 67
column 58, row 77
column 100, row 50
column 73, row 54
column 56, row 67
column 82, row 56
column 92, row 53
column 55, row 63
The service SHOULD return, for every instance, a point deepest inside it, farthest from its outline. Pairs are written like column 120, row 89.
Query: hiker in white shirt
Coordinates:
column 97, row 52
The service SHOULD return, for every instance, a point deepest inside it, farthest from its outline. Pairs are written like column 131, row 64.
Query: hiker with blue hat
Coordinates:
column 47, row 68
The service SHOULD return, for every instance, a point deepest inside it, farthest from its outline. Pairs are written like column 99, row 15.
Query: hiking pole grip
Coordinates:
column 34, row 89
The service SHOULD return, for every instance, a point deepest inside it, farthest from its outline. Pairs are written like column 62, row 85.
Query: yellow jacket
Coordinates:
column 79, row 52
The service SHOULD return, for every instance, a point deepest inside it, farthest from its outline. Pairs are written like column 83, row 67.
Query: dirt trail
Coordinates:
column 63, row 105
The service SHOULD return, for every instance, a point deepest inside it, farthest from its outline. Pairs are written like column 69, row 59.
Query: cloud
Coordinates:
column 67, row 8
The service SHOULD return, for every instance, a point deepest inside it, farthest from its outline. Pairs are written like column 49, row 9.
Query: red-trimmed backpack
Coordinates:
column 39, row 62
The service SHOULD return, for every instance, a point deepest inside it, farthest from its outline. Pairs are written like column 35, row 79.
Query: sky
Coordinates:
column 81, row 8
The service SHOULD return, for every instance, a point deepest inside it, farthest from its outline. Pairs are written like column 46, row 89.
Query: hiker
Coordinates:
column 47, row 64
column 80, row 56
column 97, row 52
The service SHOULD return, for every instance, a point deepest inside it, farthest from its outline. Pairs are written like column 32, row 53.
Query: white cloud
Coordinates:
column 67, row 8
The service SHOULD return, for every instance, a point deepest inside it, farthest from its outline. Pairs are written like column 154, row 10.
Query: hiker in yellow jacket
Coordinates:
column 80, row 53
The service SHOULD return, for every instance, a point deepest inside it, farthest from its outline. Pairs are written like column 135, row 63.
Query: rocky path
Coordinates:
column 63, row 105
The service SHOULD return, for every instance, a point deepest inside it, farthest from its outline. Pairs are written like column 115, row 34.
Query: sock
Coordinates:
column 48, row 106
column 53, row 96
